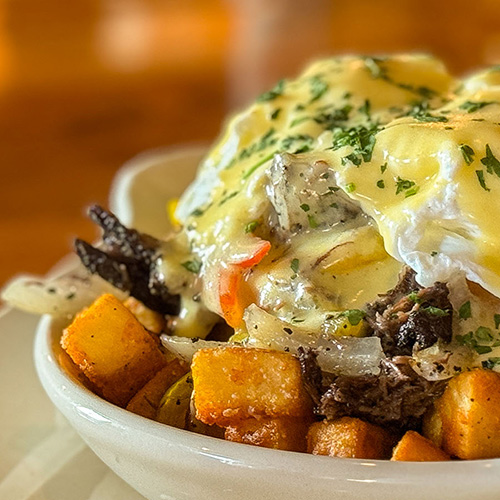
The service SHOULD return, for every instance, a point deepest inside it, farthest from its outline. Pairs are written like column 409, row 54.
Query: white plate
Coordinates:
column 41, row 456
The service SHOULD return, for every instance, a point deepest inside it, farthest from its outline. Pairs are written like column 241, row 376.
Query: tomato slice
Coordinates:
column 231, row 294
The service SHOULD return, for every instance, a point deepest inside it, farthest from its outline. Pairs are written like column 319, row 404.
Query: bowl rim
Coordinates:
column 69, row 394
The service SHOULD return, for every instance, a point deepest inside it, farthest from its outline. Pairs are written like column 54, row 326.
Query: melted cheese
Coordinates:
column 402, row 138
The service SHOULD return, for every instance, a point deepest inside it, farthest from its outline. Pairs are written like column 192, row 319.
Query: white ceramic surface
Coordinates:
column 41, row 456
column 164, row 463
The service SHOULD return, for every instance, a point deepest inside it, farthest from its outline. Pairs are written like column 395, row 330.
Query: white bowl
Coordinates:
column 164, row 463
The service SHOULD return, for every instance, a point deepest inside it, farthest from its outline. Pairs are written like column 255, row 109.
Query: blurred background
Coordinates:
column 87, row 84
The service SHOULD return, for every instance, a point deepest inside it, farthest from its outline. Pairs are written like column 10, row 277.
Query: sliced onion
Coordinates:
column 343, row 355
column 62, row 296
column 184, row 347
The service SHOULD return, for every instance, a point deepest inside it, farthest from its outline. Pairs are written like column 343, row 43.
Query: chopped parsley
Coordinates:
column 468, row 153
column 421, row 113
column 480, row 178
column 465, row 311
column 413, row 296
column 383, row 168
column 313, row 224
column 484, row 334
column 197, row 212
column 228, row 197
column 305, row 207
column 350, row 187
column 496, row 317
column 251, row 226
column 294, row 265
column 408, row 187
column 333, row 119
column 354, row 316
column 193, row 266
column 287, row 142
column 353, row 158
column 436, row 311
column 472, row 106
column 360, row 138
column 318, row 87
column 490, row 363
column 275, row 113
column 252, row 169
column 272, row 94
column 491, row 162
column 381, row 184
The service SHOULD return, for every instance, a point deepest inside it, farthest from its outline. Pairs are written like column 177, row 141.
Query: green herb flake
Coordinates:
column 381, row 184
column 491, row 363
column 252, row 169
column 467, row 152
column 228, row 197
column 362, row 139
column 472, row 106
column 482, row 182
column 413, row 296
column 436, row 311
column 434, row 253
column 272, row 94
column 491, row 162
column 465, row 311
column 354, row 316
column 383, row 168
column 318, row 88
column 294, row 265
column 193, row 266
column 197, row 212
column 421, row 113
column 305, row 207
column 352, row 158
column 403, row 185
column 251, row 226
column 483, row 349
column 351, row 187
column 484, row 334
column 496, row 317
column 275, row 113
column 412, row 191
column 313, row 224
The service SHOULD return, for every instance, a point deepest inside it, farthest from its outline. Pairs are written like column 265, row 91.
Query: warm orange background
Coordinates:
column 86, row 84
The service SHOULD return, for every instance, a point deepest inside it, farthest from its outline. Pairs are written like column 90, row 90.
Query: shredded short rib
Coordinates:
column 411, row 317
column 126, row 259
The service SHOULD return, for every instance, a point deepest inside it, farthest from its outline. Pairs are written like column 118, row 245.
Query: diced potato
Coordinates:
column 349, row 437
column 278, row 433
column 234, row 383
column 151, row 320
column 465, row 421
column 66, row 363
column 415, row 448
column 147, row 400
column 112, row 349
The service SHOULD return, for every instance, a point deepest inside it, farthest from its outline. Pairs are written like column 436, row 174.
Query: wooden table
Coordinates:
column 87, row 84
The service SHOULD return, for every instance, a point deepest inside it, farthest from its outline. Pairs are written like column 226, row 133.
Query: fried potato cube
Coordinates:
column 151, row 320
column 147, row 400
column 278, row 433
column 465, row 420
column 349, row 437
column 112, row 349
column 234, row 383
column 415, row 448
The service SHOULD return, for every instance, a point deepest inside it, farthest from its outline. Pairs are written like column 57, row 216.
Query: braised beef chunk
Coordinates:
column 411, row 317
column 126, row 260
column 397, row 397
